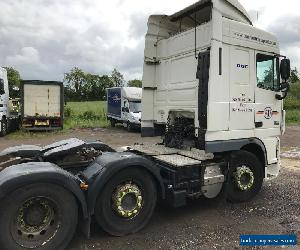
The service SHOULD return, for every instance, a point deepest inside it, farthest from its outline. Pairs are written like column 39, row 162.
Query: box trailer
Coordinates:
column 10, row 116
column 124, row 106
column 42, row 105
column 219, row 139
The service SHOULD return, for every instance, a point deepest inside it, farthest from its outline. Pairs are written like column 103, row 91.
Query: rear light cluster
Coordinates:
column 30, row 122
column 27, row 122
column 55, row 123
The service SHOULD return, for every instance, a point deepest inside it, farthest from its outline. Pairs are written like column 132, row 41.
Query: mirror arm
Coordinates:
column 284, row 87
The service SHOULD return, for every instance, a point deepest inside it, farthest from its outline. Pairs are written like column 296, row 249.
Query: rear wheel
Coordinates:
column 245, row 176
column 127, row 202
column 38, row 216
column 4, row 127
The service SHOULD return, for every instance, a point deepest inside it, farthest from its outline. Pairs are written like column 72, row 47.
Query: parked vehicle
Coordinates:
column 42, row 105
column 219, row 140
column 15, row 105
column 9, row 116
column 124, row 106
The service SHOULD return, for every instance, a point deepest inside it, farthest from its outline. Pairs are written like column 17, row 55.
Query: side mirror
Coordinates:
column 285, row 69
column 2, row 91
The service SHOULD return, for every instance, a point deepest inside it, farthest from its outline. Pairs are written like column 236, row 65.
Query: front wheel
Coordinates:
column 38, row 216
column 127, row 202
column 4, row 127
column 129, row 127
column 112, row 122
column 245, row 176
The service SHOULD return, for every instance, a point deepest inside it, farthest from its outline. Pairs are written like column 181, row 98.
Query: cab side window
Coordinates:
column 267, row 72
column 2, row 91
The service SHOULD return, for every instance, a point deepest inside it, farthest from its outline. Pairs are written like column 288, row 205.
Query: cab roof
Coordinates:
column 229, row 8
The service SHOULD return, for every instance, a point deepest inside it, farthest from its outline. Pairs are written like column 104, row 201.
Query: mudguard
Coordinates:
column 107, row 165
column 20, row 175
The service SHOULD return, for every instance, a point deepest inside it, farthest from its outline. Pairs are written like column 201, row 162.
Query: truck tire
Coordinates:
column 112, row 123
column 129, row 127
column 38, row 216
column 19, row 123
column 245, row 176
column 127, row 202
column 4, row 127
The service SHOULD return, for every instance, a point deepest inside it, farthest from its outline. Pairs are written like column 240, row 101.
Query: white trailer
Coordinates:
column 124, row 106
column 9, row 117
column 42, row 105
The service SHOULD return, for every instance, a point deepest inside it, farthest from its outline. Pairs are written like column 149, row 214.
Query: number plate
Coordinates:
column 41, row 123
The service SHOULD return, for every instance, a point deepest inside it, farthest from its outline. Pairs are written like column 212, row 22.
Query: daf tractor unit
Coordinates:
column 213, row 85
column 10, row 116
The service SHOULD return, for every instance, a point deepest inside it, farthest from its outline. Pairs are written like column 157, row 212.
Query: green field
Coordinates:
column 293, row 117
column 93, row 115
column 85, row 115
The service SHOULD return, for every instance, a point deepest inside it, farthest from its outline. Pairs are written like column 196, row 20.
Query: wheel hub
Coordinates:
column 36, row 222
column 244, row 178
column 127, row 200
column 35, row 215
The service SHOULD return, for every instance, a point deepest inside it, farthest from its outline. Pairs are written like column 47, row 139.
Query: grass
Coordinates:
column 93, row 115
column 97, row 107
column 292, row 104
column 77, row 115
column 293, row 117
column 28, row 135
column 85, row 115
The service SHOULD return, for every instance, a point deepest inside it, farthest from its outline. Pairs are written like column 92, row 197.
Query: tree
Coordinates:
column 135, row 83
column 76, row 79
column 117, row 78
column 294, row 75
column 14, row 80
column 96, row 86
column 82, row 86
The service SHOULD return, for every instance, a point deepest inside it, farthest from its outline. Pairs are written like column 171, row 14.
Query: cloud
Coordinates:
column 43, row 39
column 28, row 58
column 287, row 29
column 28, row 55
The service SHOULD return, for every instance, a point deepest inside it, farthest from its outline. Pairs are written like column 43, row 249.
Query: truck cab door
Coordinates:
column 241, row 89
column 125, row 110
column 268, row 110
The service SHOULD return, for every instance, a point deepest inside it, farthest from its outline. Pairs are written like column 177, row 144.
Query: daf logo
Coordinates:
column 268, row 113
column 243, row 66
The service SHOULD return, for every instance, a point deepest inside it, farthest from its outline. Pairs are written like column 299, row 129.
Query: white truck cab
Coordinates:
column 8, row 117
column 124, row 106
column 4, row 93
column 213, row 79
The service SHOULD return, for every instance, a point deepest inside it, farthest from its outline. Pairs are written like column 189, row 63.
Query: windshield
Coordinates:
column 135, row 107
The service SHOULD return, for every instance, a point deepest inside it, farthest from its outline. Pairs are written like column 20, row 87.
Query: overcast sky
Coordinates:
column 45, row 38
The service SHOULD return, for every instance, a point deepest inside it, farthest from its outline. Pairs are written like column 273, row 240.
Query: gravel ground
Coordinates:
column 203, row 224
column 214, row 224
